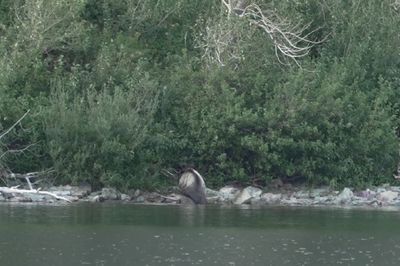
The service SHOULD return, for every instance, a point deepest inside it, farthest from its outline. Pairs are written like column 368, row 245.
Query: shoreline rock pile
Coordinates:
column 374, row 197
column 381, row 196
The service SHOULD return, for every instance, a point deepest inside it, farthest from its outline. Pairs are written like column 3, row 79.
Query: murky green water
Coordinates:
column 118, row 234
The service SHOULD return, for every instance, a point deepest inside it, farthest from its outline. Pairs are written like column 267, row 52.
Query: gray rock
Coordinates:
column 61, row 193
column 139, row 199
column 321, row 200
column 7, row 196
column 292, row 201
column 271, row 198
column 211, row 193
column 96, row 198
column 360, row 201
column 213, row 196
column 228, row 193
column 367, row 194
column 20, row 198
column 387, row 196
column 153, row 197
column 319, row 192
column 110, row 194
column 125, row 197
column 134, row 193
column 172, row 198
column 73, row 191
column 214, row 200
column 81, row 191
column 95, row 193
column 380, row 190
column 72, row 198
column 37, row 197
column 302, row 194
column 248, row 195
column 395, row 189
column 345, row 196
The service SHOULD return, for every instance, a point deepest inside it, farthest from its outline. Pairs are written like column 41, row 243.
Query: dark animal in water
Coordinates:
column 192, row 185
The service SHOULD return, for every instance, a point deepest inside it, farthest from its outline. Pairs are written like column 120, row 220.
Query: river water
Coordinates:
column 126, row 234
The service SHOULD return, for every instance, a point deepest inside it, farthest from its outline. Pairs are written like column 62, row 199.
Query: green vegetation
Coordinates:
column 120, row 92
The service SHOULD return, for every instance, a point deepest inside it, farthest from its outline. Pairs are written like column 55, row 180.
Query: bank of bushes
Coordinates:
column 122, row 93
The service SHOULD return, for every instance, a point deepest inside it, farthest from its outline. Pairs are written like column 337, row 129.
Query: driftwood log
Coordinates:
column 27, row 177
column 8, row 190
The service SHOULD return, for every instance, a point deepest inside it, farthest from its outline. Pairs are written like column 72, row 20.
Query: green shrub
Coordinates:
column 94, row 137
column 314, row 126
column 120, row 91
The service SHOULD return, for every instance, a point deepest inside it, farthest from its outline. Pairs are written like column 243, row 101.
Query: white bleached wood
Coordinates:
column 31, row 191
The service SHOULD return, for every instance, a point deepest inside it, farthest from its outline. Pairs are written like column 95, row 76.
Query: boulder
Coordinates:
column 292, row 201
column 125, row 197
column 228, row 193
column 134, row 193
column 321, row 200
column 302, row 194
column 7, row 196
column 380, row 190
column 271, row 198
column 361, row 201
column 367, row 194
column 212, row 193
column 345, row 196
column 37, row 197
column 213, row 196
column 395, row 189
column 20, row 198
column 153, row 197
column 387, row 196
column 73, row 191
column 319, row 192
column 172, row 198
column 96, row 198
column 192, row 185
column 60, row 191
column 139, row 199
column 248, row 195
column 81, row 191
column 110, row 194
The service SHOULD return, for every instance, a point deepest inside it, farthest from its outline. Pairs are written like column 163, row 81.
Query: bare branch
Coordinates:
column 289, row 41
column 27, row 177
column 227, row 4
column 31, row 191
column 396, row 5
column 17, row 151
column 14, row 125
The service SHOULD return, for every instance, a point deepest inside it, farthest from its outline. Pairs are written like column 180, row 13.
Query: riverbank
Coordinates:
column 380, row 196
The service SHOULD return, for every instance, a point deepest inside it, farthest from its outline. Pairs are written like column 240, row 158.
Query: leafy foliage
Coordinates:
column 120, row 91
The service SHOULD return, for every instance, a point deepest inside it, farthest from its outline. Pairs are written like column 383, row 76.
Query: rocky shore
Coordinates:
column 381, row 196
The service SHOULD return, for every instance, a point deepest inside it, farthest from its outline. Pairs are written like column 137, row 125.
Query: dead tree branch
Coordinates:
column 31, row 191
column 14, row 125
column 27, row 177
column 289, row 41
column 16, row 151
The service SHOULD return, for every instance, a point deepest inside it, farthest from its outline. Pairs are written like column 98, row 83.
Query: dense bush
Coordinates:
column 121, row 91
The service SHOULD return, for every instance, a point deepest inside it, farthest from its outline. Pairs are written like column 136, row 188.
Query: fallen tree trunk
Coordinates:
column 31, row 191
